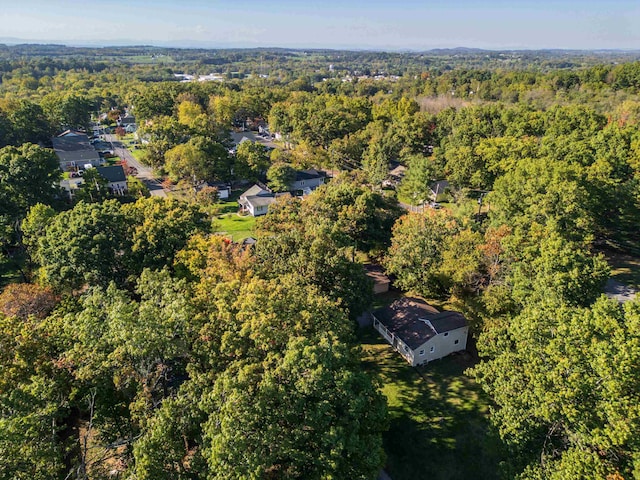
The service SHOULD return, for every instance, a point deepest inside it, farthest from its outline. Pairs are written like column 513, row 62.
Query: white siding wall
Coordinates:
column 442, row 344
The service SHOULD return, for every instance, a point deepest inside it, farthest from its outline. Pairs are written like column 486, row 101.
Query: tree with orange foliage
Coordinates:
column 23, row 300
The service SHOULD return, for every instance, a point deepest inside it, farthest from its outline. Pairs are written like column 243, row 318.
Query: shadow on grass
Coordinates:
column 439, row 427
column 230, row 205
column 625, row 269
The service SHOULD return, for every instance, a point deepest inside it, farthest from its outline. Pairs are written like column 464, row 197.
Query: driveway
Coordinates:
column 145, row 173
column 618, row 291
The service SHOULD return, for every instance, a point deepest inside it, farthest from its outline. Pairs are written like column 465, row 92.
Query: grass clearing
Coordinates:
column 236, row 226
column 439, row 425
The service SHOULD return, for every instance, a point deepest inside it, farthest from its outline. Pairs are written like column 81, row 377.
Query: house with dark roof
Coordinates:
column 439, row 191
column 419, row 332
column 74, row 149
column 116, row 178
column 307, row 181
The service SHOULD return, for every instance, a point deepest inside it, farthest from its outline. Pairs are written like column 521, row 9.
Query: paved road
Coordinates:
column 144, row 173
column 618, row 291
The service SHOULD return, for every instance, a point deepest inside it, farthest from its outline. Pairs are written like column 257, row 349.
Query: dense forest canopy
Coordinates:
column 137, row 338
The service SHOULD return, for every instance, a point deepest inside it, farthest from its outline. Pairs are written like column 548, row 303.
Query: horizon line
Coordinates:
column 200, row 45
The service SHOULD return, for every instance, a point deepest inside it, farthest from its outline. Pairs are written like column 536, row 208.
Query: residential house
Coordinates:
column 397, row 172
column 307, row 181
column 72, row 185
column 419, row 332
column 239, row 138
column 439, row 191
column 128, row 122
column 74, row 150
column 116, row 178
column 224, row 189
column 256, row 200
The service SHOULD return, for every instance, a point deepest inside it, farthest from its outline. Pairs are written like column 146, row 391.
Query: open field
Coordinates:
column 439, row 425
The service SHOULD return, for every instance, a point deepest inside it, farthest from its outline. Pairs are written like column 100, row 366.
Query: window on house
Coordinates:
column 406, row 349
column 422, row 352
column 432, row 349
column 456, row 342
column 446, row 334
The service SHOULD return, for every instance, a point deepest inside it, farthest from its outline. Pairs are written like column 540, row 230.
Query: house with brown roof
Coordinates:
column 419, row 332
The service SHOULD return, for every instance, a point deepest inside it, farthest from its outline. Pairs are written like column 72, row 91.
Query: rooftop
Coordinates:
column 309, row 174
column 414, row 321
column 113, row 174
column 256, row 191
column 72, row 142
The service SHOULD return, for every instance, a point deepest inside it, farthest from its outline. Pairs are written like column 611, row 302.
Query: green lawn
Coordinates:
column 235, row 226
column 439, row 425
column 137, row 153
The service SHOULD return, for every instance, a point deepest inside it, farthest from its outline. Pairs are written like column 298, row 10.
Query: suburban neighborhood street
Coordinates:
column 144, row 172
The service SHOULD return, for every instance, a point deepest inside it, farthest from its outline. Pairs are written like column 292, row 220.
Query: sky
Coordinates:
column 371, row 24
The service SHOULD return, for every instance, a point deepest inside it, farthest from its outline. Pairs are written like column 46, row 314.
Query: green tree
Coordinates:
column 87, row 244
column 95, row 188
column 565, row 388
column 281, row 176
column 416, row 182
column 416, row 253
column 68, row 110
column 362, row 218
column 29, row 123
column 158, row 228
column 309, row 414
column 28, row 175
column 32, row 406
column 544, row 192
column 252, row 161
column 200, row 159
column 375, row 164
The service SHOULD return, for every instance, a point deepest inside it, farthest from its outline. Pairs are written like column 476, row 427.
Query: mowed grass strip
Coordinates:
column 439, row 425
column 235, row 226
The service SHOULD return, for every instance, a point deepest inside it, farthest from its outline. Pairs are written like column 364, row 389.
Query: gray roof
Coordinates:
column 414, row 321
column 113, row 174
column 74, row 146
column 127, row 120
column 239, row 137
column 257, row 201
column 256, row 191
column 439, row 186
column 310, row 174
column 447, row 321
